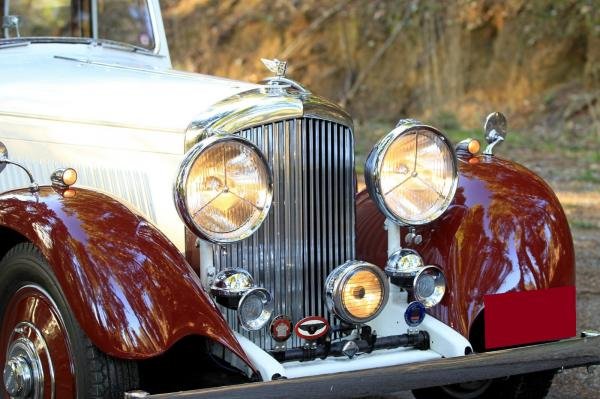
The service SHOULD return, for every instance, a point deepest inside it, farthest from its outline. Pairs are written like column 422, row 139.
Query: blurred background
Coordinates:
column 448, row 63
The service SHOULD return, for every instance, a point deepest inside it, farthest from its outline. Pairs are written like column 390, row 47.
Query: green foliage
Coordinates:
column 446, row 120
column 589, row 176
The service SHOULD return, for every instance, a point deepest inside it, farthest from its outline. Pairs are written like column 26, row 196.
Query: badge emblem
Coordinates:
column 414, row 314
column 281, row 328
column 312, row 327
column 275, row 66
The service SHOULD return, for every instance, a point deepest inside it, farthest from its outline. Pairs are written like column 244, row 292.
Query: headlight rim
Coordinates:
column 375, row 160
column 431, row 300
column 180, row 195
column 335, row 283
column 266, row 313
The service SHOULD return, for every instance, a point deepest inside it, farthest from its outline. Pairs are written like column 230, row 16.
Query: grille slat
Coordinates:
column 310, row 228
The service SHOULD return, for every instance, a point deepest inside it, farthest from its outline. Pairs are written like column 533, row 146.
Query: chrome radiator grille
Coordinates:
column 310, row 227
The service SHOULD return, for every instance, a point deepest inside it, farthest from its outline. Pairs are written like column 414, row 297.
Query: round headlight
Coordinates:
column 429, row 286
column 412, row 174
column 255, row 309
column 356, row 292
column 223, row 191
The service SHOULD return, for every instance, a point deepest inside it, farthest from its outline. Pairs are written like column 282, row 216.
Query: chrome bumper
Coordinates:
column 570, row 353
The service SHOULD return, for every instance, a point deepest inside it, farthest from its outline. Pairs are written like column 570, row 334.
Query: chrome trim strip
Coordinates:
column 261, row 106
column 86, row 122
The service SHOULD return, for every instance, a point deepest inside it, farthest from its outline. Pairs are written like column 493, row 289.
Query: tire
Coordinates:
column 36, row 323
column 526, row 386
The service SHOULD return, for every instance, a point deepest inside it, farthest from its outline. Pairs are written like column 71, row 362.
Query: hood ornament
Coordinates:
column 279, row 81
column 275, row 66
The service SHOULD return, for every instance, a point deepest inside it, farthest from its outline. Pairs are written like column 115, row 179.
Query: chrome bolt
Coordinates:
column 349, row 349
column 18, row 379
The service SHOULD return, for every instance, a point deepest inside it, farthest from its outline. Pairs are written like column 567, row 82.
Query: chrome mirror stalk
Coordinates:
column 495, row 131
column 3, row 156
column 33, row 186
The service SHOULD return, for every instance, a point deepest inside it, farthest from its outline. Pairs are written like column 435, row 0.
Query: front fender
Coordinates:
column 505, row 231
column 130, row 289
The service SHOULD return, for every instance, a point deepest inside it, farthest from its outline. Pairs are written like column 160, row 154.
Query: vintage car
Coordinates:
column 215, row 241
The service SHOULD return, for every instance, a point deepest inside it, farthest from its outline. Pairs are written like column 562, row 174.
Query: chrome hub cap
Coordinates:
column 17, row 377
column 23, row 375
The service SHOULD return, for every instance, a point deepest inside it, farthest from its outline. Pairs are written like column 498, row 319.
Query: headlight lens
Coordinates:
column 412, row 174
column 429, row 286
column 356, row 292
column 224, row 189
column 255, row 309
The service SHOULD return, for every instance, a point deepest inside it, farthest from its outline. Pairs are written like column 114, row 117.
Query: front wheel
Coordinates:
column 526, row 386
column 44, row 352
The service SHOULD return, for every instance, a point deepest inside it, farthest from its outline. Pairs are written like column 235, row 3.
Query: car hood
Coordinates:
column 70, row 83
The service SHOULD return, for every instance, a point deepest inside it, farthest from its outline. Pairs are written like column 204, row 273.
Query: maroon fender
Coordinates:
column 130, row 289
column 505, row 231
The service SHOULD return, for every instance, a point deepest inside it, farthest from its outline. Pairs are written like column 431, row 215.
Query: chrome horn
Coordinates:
column 33, row 186
column 495, row 131
column 3, row 156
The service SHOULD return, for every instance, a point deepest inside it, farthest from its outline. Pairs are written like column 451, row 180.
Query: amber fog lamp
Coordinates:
column 356, row 292
column 429, row 286
column 64, row 178
column 224, row 189
column 412, row 174
column 230, row 285
column 474, row 146
column 255, row 309
column 468, row 147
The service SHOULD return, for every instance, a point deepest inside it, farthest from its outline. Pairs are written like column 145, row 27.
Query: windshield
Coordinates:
column 125, row 21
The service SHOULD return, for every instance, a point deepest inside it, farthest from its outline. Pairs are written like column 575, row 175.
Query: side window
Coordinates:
column 126, row 21
column 42, row 18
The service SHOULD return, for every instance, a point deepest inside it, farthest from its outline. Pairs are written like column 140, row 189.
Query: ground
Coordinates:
column 571, row 165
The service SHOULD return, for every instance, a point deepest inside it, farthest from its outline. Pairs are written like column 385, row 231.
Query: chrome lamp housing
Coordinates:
column 412, row 173
column 356, row 292
column 230, row 285
column 406, row 269
column 224, row 189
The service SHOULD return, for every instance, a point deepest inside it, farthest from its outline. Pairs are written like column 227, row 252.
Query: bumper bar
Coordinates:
column 576, row 352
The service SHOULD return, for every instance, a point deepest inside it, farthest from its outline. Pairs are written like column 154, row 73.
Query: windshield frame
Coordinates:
column 152, row 15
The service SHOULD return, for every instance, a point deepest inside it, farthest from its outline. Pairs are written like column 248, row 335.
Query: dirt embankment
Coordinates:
column 447, row 62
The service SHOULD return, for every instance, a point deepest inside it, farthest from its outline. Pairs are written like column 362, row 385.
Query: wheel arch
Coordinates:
column 505, row 231
column 130, row 289
column 9, row 238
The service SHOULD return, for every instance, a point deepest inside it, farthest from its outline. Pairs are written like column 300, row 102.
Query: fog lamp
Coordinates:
column 404, row 263
column 255, row 309
column 429, row 286
column 356, row 292
column 230, row 285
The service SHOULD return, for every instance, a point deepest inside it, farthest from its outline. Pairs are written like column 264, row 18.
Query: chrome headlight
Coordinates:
column 412, row 174
column 223, row 191
column 356, row 291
